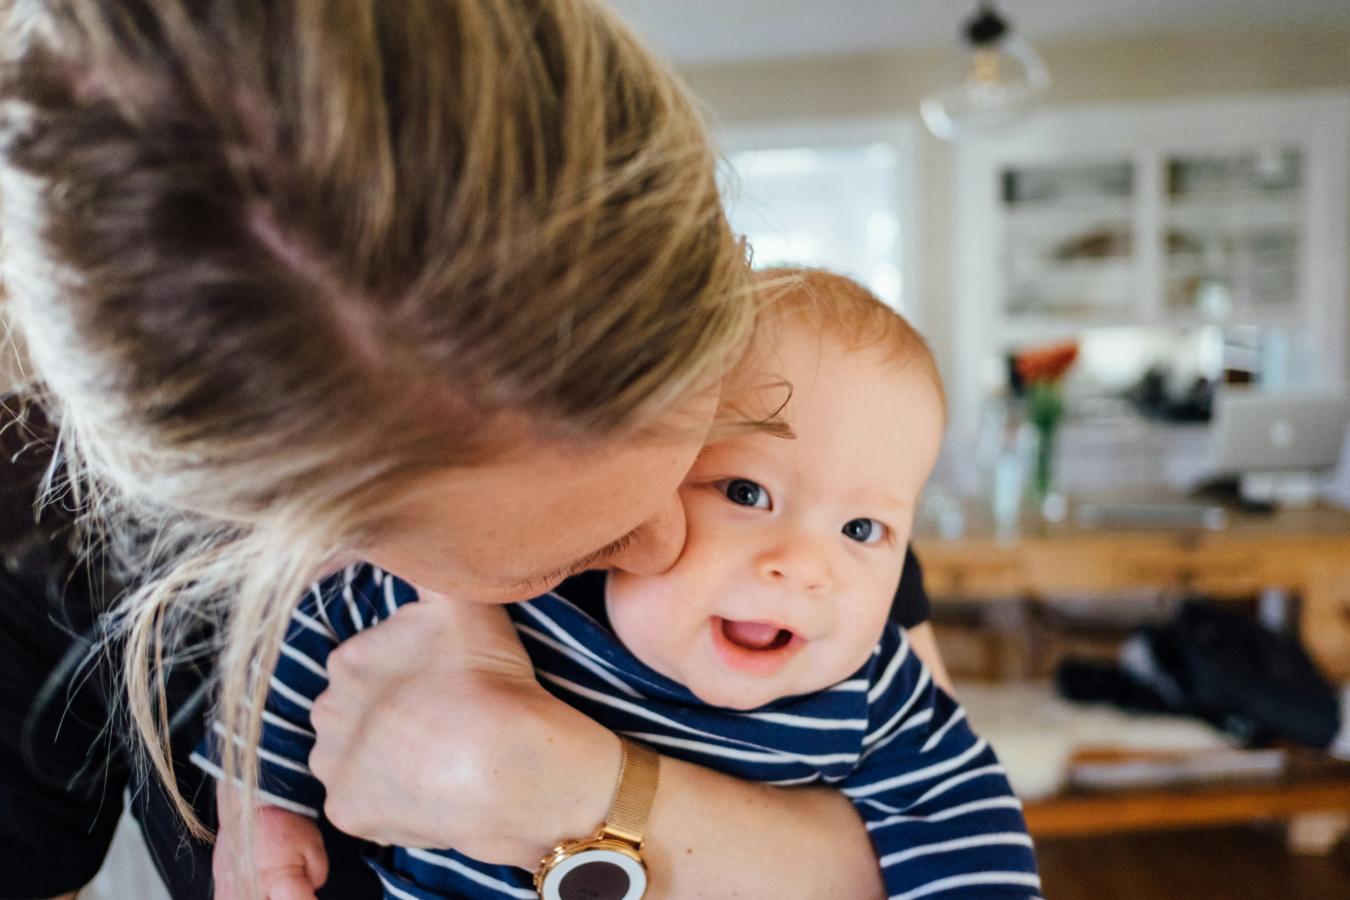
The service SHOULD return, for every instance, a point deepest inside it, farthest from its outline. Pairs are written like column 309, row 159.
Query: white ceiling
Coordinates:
column 707, row 31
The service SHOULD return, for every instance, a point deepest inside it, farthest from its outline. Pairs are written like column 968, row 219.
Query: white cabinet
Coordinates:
column 1226, row 212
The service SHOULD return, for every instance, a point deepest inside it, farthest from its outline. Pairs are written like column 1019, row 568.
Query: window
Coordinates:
column 839, row 197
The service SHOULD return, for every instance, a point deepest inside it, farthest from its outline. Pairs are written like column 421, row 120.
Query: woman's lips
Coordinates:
column 756, row 648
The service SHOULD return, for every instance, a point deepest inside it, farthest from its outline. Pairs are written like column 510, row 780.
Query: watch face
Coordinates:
column 596, row 874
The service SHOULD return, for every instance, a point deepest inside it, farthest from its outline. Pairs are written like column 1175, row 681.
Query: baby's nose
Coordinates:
column 797, row 562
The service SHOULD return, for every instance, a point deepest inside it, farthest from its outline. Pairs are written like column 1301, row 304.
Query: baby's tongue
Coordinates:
column 751, row 635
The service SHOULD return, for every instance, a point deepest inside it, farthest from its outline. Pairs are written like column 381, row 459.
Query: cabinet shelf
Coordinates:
column 1132, row 215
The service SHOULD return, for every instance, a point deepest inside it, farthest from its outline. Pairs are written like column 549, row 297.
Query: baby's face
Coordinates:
column 795, row 546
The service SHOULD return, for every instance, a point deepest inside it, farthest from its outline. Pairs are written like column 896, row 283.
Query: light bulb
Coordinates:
column 993, row 80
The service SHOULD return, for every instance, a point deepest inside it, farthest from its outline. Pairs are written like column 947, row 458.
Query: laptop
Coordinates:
column 1257, row 431
column 1266, row 446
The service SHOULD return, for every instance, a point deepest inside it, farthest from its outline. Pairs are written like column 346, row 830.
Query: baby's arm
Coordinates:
column 935, row 800
column 288, row 854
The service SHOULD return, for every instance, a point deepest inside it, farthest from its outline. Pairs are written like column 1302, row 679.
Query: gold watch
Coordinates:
column 608, row 865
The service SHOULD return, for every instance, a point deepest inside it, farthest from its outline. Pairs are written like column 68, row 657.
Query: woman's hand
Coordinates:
column 433, row 732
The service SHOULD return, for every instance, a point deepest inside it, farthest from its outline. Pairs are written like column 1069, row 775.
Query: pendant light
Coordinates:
column 993, row 80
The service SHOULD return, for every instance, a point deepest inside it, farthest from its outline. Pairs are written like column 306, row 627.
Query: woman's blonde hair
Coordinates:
column 270, row 259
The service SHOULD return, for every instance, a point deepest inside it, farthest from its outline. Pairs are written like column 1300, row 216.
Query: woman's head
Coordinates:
column 253, row 244
column 514, row 526
column 275, row 263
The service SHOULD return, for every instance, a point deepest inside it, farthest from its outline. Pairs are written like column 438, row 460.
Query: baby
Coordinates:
column 765, row 652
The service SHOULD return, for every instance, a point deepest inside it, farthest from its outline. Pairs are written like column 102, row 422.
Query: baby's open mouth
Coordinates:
column 756, row 636
column 759, row 649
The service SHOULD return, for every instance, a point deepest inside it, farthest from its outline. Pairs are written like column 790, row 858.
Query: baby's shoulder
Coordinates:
column 894, row 666
column 353, row 598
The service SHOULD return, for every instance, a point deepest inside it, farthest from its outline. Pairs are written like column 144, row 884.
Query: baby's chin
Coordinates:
column 740, row 697
column 741, row 701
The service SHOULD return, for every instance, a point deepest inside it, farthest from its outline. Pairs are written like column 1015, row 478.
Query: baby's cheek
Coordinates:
column 857, row 640
column 641, row 611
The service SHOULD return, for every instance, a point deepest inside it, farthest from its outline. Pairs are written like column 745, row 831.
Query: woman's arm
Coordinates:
column 712, row 835
column 912, row 611
column 434, row 733
column 924, row 642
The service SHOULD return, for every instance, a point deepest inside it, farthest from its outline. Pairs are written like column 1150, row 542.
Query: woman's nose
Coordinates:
column 797, row 561
column 656, row 543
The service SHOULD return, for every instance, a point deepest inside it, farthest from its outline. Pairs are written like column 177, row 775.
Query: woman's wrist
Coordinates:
column 592, row 758
column 567, row 767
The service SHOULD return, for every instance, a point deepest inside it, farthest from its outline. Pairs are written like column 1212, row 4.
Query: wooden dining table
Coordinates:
column 1302, row 554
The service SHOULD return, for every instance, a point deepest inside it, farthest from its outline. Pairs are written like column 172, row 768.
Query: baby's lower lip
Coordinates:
column 753, row 661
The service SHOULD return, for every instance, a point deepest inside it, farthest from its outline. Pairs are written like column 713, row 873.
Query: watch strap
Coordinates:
column 639, row 773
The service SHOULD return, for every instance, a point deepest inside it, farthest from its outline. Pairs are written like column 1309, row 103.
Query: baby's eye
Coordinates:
column 864, row 531
column 744, row 492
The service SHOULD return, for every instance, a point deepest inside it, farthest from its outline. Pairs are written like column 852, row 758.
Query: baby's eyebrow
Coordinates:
column 869, row 495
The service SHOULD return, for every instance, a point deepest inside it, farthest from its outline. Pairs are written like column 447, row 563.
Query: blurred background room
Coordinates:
column 1123, row 228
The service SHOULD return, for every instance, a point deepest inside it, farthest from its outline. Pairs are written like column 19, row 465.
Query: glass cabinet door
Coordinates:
column 1068, row 240
column 1231, row 236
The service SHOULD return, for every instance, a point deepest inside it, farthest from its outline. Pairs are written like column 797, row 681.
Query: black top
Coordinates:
column 910, row 606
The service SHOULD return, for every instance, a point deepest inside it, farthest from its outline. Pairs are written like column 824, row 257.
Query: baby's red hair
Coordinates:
column 843, row 309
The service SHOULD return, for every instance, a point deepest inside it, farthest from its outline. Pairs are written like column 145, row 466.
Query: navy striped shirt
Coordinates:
column 935, row 800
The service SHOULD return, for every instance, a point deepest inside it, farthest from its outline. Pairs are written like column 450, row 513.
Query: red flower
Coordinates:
column 1045, row 365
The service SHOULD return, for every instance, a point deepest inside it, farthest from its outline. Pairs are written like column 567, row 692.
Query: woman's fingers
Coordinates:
column 434, row 732
column 316, row 864
column 288, row 884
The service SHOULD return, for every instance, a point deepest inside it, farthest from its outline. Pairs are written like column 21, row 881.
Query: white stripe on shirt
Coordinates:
column 818, row 724
column 560, row 633
column 394, row 891
column 952, row 812
column 854, row 685
column 633, row 708
column 349, row 599
column 727, row 749
column 771, row 757
column 322, row 610
column 938, row 735
column 290, row 693
column 272, row 718
column 324, row 628
column 218, row 774
column 914, row 775
column 303, row 659
column 473, row 875
column 1022, row 879
column 582, row 660
column 264, row 754
column 1012, row 838
column 884, row 682
column 920, row 686
column 941, row 787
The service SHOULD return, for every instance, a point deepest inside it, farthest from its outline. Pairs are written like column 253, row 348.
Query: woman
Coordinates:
column 441, row 286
